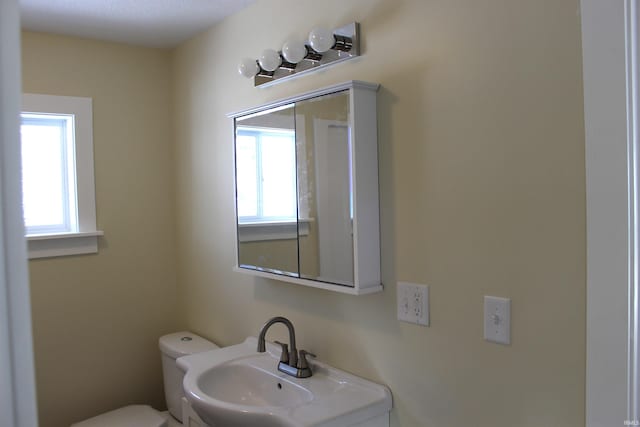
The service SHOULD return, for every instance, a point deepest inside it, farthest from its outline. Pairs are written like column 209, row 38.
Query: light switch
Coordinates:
column 497, row 319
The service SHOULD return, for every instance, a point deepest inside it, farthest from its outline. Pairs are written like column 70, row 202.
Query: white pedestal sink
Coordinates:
column 237, row 386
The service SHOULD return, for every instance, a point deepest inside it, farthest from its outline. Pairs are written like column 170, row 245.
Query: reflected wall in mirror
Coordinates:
column 298, row 164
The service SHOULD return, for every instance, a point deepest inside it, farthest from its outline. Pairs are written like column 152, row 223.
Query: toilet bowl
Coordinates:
column 172, row 346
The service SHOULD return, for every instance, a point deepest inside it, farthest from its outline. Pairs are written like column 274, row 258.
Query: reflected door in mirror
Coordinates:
column 325, row 187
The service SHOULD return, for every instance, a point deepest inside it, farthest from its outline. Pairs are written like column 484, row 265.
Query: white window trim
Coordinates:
column 85, row 240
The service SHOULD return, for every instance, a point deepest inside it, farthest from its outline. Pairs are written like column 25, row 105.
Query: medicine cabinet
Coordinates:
column 307, row 209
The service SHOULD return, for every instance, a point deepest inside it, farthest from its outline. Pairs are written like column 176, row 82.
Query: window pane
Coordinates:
column 278, row 176
column 44, row 180
column 247, row 176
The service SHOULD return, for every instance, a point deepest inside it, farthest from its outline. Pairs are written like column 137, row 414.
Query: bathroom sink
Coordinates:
column 237, row 386
column 246, row 382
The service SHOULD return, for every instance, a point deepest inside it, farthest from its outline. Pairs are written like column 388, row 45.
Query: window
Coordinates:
column 267, row 200
column 58, row 193
column 48, row 173
column 266, row 170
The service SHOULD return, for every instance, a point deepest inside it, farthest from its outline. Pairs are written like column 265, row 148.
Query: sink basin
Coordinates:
column 243, row 382
column 237, row 386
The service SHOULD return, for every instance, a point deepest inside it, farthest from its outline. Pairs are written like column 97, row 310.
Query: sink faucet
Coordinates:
column 289, row 363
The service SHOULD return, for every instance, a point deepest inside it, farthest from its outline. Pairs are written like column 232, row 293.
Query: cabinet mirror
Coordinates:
column 307, row 189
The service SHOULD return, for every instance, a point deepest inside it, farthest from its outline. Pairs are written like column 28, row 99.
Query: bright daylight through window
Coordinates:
column 48, row 173
column 266, row 163
column 57, row 175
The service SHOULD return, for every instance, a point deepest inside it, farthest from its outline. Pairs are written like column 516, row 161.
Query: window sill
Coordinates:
column 63, row 244
column 285, row 230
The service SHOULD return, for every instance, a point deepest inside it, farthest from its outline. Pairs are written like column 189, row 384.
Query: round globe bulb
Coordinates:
column 294, row 51
column 248, row 67
column 321, row 39
column 269, row 60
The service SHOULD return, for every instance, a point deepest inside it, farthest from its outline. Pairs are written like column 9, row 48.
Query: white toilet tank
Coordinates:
column 173, row 346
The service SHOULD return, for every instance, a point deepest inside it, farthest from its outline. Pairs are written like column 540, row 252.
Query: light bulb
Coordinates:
column 321, row 39
column 294, row 51
column 248, row 67
column 269, row 60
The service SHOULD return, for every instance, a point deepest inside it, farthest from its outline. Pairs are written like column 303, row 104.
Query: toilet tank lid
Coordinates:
column 180, row 344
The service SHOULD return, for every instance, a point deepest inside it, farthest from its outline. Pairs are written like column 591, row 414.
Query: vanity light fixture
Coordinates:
column 294, row 51
column 321, row 39
column 270, row 60
column 248, row 67
column 323, row 48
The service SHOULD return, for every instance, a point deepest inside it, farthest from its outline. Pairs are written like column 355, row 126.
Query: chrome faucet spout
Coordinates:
column 293, row 354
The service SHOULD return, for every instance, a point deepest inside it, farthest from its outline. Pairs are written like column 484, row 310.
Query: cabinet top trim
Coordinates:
column 355, row 84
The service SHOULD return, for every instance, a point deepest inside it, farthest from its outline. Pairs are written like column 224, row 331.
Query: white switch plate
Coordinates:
column 497, row 320
column 413, row 303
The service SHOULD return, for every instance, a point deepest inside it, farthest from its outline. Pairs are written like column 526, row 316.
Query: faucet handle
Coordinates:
column 302, row 360
column 284, row 357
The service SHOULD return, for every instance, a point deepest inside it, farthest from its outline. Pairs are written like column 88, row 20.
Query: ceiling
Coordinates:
column 153, row 23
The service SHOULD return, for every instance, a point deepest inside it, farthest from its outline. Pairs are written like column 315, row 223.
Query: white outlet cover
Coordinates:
column 497, row 320
column 413, row 303
column 403, row 302
column 421, row 305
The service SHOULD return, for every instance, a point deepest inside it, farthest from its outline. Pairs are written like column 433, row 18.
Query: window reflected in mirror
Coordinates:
column 266, row 166
column 266, row 200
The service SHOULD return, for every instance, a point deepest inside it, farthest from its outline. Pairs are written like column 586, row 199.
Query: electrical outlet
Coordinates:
column 413, row 303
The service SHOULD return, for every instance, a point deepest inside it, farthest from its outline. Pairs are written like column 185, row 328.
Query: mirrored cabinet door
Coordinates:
column 307, row 189
column 266, row 203
column 323, row 147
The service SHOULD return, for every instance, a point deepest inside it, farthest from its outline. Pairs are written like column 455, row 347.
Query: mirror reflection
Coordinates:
column 294, row 190
column 325, row 187
column 266, row 191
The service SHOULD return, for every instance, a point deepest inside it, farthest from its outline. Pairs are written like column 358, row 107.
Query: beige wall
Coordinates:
column 97, row 318
column 482, row 193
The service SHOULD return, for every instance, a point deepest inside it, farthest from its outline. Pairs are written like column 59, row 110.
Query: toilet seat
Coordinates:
column 129, row 416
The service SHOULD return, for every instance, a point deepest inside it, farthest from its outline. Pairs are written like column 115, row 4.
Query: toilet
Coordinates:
column 172, row 346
